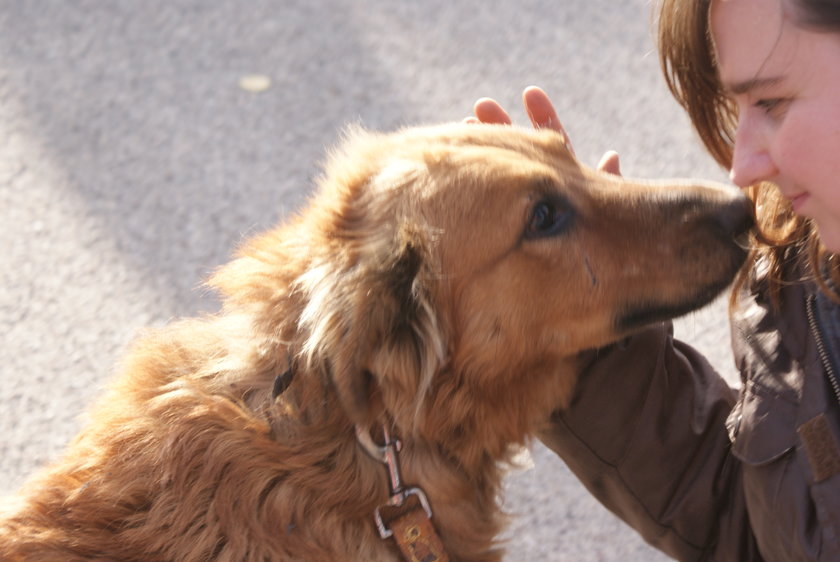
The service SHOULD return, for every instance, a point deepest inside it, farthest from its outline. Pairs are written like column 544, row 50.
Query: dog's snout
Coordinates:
column 736, row 217
column 728, row 214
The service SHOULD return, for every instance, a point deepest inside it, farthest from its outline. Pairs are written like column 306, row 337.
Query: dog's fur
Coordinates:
column 441, row 282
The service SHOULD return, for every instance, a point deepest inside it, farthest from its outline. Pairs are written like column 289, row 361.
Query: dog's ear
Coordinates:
column 371, row 327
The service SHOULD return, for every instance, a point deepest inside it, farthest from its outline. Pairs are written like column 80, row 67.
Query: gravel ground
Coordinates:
column 133, row 159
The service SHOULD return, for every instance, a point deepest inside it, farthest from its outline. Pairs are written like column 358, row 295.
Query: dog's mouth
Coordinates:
column 639, row 316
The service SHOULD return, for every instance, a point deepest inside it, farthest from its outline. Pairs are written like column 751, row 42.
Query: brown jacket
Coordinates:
column 705, row 472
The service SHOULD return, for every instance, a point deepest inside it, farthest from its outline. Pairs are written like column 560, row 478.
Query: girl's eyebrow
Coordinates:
column 752, row 84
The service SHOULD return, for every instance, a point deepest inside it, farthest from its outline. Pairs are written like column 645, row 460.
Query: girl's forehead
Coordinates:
column 748, row 36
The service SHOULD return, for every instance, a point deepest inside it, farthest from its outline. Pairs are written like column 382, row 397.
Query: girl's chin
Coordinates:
column 830, row 235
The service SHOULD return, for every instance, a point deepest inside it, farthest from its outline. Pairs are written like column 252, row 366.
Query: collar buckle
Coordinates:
column 388, row 455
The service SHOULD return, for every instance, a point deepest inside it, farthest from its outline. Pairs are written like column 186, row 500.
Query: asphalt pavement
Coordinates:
column 140, row 142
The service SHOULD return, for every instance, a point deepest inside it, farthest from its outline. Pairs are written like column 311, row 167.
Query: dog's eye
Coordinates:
column 548, row 218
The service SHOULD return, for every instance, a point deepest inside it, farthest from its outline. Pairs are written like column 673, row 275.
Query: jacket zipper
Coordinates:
column 829, row 369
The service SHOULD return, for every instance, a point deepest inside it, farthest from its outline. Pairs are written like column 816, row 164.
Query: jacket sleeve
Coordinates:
column 645, row 433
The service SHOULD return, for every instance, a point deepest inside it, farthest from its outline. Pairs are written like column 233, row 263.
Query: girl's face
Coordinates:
column 785, row 81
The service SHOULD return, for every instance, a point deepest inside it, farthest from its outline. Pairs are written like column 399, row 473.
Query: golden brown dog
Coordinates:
column 440, row 285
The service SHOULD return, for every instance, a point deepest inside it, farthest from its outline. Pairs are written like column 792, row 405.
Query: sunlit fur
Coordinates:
column 406, row 293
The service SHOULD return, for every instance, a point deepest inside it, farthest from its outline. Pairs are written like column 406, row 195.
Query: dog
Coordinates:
column 382, row 353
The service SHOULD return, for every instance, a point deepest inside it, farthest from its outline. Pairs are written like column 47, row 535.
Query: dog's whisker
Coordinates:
column 592, row 277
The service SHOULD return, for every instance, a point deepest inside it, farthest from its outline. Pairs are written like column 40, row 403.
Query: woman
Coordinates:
column 701, row 471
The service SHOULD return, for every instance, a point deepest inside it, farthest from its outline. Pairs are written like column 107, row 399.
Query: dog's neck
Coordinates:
column 449, row 457
column 462, row 435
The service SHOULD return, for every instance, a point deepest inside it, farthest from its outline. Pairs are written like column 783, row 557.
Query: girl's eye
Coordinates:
column 771, row 106
column 548, row 218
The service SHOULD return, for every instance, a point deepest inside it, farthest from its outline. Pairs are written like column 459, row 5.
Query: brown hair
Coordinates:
column 688, row 61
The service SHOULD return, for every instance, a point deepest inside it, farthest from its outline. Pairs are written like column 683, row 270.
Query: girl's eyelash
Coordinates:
column 769, row 104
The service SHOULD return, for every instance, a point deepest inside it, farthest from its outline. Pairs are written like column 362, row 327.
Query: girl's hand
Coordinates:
column 543, row 116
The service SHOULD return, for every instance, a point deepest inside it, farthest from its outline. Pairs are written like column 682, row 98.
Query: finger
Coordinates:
column 609, row 163
column 541, row 112
column 488, row 110
column 540, row 109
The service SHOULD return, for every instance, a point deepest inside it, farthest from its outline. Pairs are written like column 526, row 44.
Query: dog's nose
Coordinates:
column 736, row 217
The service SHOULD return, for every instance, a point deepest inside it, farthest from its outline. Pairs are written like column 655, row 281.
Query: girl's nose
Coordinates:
column 751, row 161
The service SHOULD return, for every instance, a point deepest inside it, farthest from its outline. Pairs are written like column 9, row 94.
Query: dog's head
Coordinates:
column 482, row 257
